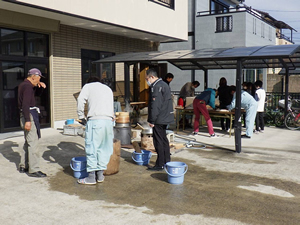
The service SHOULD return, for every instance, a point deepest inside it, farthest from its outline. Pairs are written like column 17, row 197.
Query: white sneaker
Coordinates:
column 256, row 132
column 261, row 131
column 214, row 136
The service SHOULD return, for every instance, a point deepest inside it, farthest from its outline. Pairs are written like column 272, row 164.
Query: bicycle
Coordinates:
column 279, row 117
column 292, row 119
column 275, row 116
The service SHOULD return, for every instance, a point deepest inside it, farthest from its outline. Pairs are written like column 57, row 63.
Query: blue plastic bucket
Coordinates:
column 78, row 165
column 176, row 171
column 143, row 158
column 69, row 121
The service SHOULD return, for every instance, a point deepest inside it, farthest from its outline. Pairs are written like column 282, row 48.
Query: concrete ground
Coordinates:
column 261, row 185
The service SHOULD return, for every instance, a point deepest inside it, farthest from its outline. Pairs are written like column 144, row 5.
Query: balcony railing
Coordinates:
column 231, row 10
column 167, row 3
column 282, row 36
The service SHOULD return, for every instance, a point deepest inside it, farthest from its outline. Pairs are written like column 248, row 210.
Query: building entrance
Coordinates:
column 19, row 52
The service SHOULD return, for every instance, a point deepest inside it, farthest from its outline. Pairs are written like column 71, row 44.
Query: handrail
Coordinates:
column 282, row 36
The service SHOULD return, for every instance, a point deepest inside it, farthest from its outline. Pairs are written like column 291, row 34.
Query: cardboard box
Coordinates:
column 189, row 102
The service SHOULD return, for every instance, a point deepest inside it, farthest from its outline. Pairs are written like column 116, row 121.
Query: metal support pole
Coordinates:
column 193, row 75
column 286, row 98
column 237, row 119
column 127, row 85
column 205, row 79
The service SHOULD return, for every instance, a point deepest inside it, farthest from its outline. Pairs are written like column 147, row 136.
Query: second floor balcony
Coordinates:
column 224, row 21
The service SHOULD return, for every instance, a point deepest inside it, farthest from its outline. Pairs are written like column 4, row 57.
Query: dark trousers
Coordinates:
column 259, row 121
column 244, row 118
column 226, row 125
column 161, row 144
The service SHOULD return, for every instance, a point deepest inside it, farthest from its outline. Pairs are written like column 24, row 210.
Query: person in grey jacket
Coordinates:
column 160, row 114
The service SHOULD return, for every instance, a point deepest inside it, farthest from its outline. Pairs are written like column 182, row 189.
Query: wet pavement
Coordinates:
column 261, row 185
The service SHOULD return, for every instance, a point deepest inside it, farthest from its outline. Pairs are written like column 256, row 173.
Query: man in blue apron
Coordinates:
column 29, row 121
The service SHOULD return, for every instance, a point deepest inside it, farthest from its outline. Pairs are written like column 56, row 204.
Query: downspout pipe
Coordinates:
column 286, row 97
column 127, row 85
column 193, row 74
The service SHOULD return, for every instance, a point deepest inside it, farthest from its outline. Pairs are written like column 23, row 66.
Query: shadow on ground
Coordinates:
column 7, row 151
column 210, row 193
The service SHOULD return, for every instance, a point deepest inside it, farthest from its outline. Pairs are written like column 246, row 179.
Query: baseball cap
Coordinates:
column 35, row 71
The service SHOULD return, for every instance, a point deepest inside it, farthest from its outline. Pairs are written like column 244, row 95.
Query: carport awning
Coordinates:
column 271, row 56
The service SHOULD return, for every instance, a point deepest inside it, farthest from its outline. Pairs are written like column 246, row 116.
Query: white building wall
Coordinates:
column 242, row 34
column 258, row 33
column 136, row 14
column 180, row 76
column 206, row 37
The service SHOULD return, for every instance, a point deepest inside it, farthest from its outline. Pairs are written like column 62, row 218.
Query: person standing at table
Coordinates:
column 188, row 90
column 207, row 97
column 225, row 99
column 160, row 114
column 99, row 127
column 261, row 97
column 29, row 121
column 250, row 105
column 168, row 78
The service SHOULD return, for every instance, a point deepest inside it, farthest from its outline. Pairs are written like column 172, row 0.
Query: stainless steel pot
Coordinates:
column 147, row 131
column 123, row 134
column 122, row 125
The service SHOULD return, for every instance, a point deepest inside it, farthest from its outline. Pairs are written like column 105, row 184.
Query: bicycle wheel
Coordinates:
column 279, row 119
column 290, row 122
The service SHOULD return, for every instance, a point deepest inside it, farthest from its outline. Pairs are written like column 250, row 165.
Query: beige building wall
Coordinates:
column 275, row 83
column 65, row 66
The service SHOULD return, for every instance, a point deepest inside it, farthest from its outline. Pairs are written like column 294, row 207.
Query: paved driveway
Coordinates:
column 261, row 185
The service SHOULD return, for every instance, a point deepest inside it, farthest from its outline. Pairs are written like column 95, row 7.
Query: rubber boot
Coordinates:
column 90, row 179
column 100, row 176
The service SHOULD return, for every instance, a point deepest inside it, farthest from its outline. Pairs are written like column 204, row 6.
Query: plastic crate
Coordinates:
column 73, row 129
column 170, row 135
